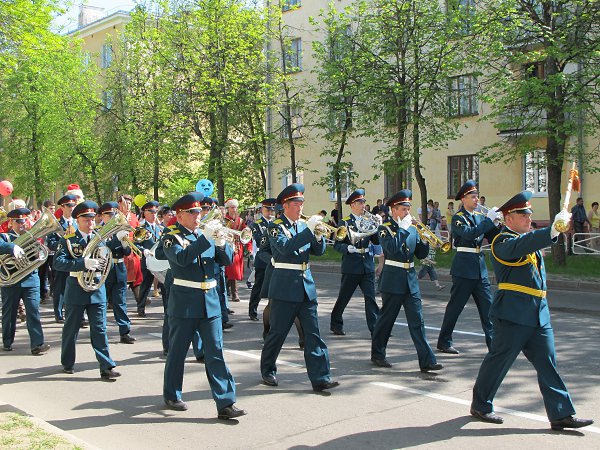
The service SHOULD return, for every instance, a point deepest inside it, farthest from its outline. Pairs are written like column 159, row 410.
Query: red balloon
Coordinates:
column 6, row 188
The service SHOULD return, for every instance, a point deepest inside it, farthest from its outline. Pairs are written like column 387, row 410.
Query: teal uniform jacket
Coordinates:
column 518, row 261
column 259, row 234
column 193, row 259
column 68, row 258
column 402, row 246
column 468, row 230
column 355, row 263
column 118, row 273
column 292, row 247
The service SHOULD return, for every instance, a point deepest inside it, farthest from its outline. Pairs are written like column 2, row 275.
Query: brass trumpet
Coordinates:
column 140, row 234
column 485, row 210
column 324, row 229
column 429, row 236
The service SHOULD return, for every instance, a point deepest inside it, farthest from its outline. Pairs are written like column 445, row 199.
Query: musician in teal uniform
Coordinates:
column 521, row 317
column 27, row 289
column 260, row 236
column 116, row 282
column 292, row 290
column 399, row 284
column 69, row 259
column 358, row 266
column 194, row 306
column 469, row 272
column 153, row 232
column 66, row 203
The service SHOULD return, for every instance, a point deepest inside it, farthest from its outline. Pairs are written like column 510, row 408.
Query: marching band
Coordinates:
column 197, row 256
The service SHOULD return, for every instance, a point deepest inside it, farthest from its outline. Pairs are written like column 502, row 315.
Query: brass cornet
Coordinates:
column 485, row 210
column 324, row 229
column 429, row 236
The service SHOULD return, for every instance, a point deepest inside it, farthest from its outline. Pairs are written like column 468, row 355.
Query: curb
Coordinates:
column 5, row 407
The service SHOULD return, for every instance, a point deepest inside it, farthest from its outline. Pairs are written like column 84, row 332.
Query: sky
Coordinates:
column 68, row 21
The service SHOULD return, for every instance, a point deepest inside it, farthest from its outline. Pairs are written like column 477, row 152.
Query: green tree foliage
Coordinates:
column 541, row 59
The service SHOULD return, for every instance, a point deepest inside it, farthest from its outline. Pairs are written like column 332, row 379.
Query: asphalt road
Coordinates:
column 373, row 408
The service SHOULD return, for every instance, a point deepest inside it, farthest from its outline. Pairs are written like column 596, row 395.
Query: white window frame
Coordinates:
column 535, row 170
column 346, row 186
column 106, row 56
column 286, row 178
column 293, row 56
column 463, row 96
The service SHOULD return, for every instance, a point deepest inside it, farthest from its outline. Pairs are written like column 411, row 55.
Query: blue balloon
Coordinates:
column 205, row 186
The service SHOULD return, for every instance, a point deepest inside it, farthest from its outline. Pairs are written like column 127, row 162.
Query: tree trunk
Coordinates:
column 156, row 164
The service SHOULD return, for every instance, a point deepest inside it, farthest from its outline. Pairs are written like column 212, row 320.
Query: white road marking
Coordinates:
column 460, row 401
column 470, row 333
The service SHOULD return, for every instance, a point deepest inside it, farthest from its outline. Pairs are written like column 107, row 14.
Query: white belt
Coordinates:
column 74, row 274
column 468, row 249
column 204, row 285
column 279, row 265
column 403, row 265
column 362, row 250
column 118, row 260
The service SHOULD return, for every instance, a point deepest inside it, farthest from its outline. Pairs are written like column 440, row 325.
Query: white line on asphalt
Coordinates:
column 281, row 362
column 467, row 403
column 470, row 333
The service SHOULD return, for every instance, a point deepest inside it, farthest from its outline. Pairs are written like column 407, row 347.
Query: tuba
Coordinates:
column 91, row 280
column 13, row 270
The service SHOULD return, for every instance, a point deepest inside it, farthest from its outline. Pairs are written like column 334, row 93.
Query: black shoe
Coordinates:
column 270, row 380
column 227, row 325
column 490, row 417
column 200, row 359
column 60, row 320
column 301, row 345
column 432, row 367
column 254, row 318
column 40, row 349
column 84, row 324
column 165, row 351
column 127, row 339
column 325, row 385
column 176, row 405
column 109, row 374
column 450, row 350
column 141, row 313
column 381, row 362
column 69, row 370
column 8, row 349
column 230, row 412
column 570, row 422
column 230, row 311
column 338, row 332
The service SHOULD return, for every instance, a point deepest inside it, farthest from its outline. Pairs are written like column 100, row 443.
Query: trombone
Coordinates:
column 430, row 237
column 324, row 229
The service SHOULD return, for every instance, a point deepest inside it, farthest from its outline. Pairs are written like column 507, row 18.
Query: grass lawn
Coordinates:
column 18, row 432
column 578, row 266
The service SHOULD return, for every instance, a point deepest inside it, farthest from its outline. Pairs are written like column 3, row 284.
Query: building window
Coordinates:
column 296, row 118
column 106, row 56
column 347, row 185
column 87, row 59
column 291, row 4
column 464, row 10
column 107, row 100
column 534, row 70
column 338, row 113
column 286, row 179
column 461, row 169
column 293, row 56
column 535, row 173
column 463, row 96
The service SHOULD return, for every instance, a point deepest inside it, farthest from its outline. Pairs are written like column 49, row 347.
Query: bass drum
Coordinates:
column 158, row 267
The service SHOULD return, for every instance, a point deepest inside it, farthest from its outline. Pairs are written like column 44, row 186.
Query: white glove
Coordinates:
column 18, row 252
column 91, row 264
column 493, row 214
column 122, row 235
column 219, row 238
column 378, row 218
column 351, row 249
column 147, row 252
column 209, row 230
column 562, row 217
column 406, row 222
column 313, row 221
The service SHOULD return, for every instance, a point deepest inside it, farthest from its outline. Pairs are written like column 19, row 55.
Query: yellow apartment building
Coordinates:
column 444, row 170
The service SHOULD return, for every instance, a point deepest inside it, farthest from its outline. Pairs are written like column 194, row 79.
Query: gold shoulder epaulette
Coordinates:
column 346, row 218
column 278, row 221
column 175, row 231
column 258, row 221
column 460, row 213
column 387, row 224
column 69, row 236
column 172, row 227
